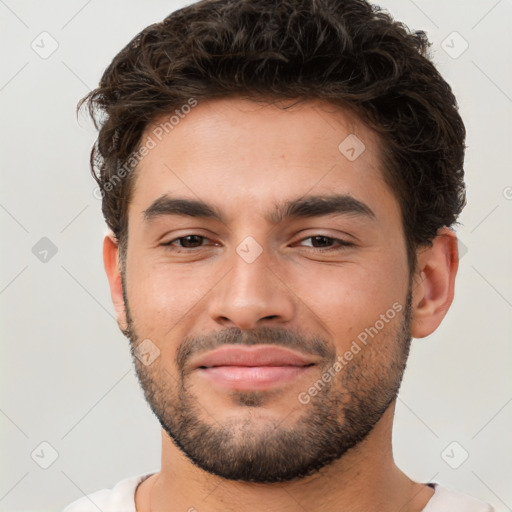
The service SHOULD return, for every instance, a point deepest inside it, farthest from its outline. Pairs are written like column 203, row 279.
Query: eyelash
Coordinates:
column 340, row 243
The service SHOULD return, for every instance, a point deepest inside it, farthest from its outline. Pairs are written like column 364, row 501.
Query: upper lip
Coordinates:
column 262, row 355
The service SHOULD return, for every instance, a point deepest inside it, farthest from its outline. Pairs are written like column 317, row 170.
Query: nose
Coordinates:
column 252, row 294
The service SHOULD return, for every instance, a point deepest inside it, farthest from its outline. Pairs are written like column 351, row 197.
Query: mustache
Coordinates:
column 310, row 345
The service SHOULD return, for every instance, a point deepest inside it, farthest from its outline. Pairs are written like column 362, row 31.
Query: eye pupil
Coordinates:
column 324, row 241
column 191, row 241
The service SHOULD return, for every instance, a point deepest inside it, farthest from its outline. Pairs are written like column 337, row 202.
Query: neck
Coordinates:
column 365, row 478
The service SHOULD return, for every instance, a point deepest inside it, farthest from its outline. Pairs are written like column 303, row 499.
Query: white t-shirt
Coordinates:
column 121, row 498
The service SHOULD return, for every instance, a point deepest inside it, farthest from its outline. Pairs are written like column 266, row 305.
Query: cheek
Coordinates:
column 160, row 295
column 349, row 298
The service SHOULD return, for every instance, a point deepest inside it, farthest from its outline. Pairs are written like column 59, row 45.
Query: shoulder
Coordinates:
column 120, row 498
column 449, row 500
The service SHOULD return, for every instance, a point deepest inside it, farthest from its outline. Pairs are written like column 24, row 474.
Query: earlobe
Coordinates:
column 111, row 264
column 434, row 283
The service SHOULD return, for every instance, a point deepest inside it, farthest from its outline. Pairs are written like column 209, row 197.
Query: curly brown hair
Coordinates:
column 346, row 52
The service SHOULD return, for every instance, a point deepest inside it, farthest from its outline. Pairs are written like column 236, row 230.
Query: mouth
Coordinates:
column 252, row 368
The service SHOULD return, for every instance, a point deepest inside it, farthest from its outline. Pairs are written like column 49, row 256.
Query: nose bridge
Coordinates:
column 251, row 292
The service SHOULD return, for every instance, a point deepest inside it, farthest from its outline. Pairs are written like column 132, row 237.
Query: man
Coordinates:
column 279, row 178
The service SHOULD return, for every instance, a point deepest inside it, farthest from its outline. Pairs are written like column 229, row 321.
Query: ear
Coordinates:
column 111, row 263
column 434, row 283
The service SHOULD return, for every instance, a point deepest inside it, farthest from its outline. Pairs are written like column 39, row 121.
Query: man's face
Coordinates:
column 259, row 277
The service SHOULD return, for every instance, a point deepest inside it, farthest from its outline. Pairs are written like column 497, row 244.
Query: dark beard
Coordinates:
column 334, row 421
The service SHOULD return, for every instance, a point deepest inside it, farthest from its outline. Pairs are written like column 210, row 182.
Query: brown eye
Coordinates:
column 191, row 241
column 187, row 242
column 323, row 242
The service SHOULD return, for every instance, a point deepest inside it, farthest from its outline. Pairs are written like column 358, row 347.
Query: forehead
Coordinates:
column 245, row 157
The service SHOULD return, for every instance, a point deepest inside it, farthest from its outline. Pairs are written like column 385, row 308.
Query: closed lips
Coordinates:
column 252, row 356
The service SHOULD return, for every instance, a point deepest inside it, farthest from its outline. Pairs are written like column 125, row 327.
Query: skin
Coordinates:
column 244, row 158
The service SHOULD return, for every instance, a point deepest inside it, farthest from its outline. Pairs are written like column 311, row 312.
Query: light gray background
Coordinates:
column 67, row 377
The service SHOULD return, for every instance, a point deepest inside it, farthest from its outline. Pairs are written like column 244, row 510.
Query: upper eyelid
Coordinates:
column 185, row 236
column 335, row 238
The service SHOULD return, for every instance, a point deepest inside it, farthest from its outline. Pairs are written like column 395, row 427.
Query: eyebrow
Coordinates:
column 303, row 207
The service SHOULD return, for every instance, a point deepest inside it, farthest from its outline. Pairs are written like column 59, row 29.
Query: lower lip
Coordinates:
column 252, row 377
